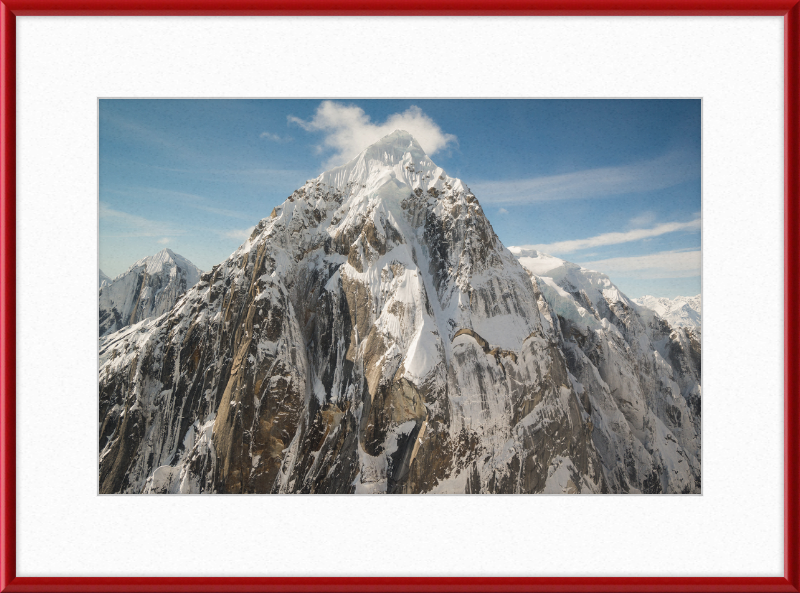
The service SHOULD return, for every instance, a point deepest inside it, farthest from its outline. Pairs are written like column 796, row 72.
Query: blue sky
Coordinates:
column 610, row 184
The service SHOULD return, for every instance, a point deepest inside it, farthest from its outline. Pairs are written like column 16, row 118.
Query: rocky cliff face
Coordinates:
column 373, row 335
column 149, row 288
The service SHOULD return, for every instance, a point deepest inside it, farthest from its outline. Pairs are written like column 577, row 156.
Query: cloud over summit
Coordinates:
column 349, row 129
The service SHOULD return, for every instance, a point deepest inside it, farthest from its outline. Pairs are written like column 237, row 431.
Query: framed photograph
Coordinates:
column 526, row 251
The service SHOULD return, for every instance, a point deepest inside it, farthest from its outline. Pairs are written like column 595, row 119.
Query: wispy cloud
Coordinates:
column 502, row 211
column 123, row 224
column 643, row 219
column 188, row 199
column 151, row 136
column 262, row 176
column 665, row 171
column 349, row 130
column 164, row 241
column 614, row 238
column 274, row 137
column 664, row 264
column 206, row 205
column 238, row 234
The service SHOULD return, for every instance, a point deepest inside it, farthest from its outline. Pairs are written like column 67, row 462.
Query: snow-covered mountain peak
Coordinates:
column 148, row 288
column 397, row 146
column 388, row 168
column 597, row 285
column 537, row 262
column 392, row 206
column 576, row 293
column 155, row 264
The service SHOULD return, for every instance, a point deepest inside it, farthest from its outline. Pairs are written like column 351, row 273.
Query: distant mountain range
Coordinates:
column 679, row 312
column 373, row 335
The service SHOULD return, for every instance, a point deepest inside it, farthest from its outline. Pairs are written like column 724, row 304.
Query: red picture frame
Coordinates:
column 789, row 9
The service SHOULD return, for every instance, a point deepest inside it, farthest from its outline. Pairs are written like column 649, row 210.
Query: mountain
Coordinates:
column 374, row 335
column 149, row 288
column 641, row 376
column 104, row 279
column 678, row 312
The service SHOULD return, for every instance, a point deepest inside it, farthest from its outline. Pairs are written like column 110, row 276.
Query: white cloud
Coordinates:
column 349, row 130
column 502, row 211
column 614, row 238
column 665, row 264
column 238, row 234
column 274, row 137
column 163, row 241
column 665, row 171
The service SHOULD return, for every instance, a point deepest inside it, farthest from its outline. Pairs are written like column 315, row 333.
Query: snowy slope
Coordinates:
column 678, row 312
column 104, row 279
column 640, row 375
column 149, row 288
column 372, row 335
